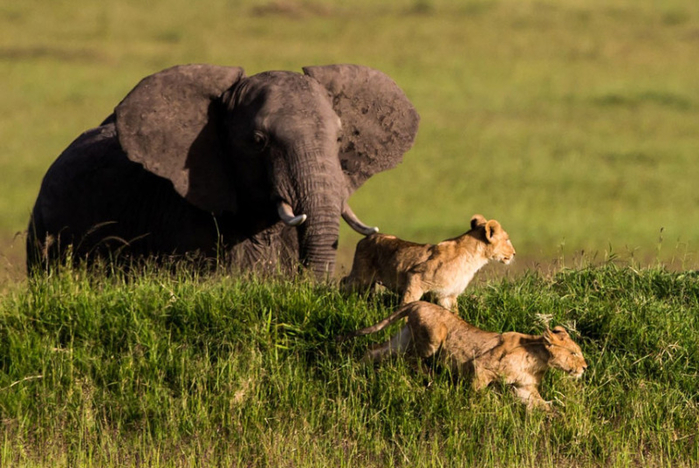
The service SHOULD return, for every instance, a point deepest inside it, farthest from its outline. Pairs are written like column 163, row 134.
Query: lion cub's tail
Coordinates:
column 394, row 317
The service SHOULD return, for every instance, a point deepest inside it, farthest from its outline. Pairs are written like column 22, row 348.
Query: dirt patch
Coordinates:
column 292, row 9
column 42, row 52
column 12, row 260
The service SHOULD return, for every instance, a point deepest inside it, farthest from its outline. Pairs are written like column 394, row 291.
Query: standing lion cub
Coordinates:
column 443, row 269
column 515, row 358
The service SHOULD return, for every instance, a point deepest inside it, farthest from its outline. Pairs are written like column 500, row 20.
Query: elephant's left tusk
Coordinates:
column 354, row 222
column 286, row 214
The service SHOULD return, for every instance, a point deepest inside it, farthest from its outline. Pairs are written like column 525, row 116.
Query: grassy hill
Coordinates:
column 184, row 371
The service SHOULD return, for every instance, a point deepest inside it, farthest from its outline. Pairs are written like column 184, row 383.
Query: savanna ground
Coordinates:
column 574, row 123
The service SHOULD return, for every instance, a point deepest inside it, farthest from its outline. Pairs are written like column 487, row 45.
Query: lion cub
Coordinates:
column 444, row 269
column 517, row 359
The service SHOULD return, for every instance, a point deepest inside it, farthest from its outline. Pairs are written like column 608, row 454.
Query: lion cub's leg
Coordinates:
column 481, row 377
column 427, row 340
column 399, row 343
column 449, row 302
column 530, row 395
column 362, row 276
column 412, row 290
column 356, row 281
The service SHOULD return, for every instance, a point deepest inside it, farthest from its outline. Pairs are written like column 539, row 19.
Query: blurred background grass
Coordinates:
column 575, row 123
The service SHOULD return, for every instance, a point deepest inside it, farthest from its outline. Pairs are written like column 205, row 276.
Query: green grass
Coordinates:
column 183, row 371
column 573, row 123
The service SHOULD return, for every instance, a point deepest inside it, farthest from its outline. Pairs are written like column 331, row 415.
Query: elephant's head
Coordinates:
column 276, row 145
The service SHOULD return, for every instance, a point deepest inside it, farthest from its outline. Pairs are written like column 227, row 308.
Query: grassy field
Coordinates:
column 184, row 371
column 574, row 123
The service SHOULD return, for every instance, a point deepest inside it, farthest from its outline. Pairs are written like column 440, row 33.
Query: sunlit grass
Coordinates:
column 178, row 370
column 573, row 123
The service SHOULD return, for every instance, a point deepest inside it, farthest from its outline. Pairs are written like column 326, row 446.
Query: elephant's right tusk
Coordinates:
column 354, row 222
column 286, row 214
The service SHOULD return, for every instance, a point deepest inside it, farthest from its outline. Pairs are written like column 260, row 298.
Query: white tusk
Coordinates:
column 354, row 222
column 286, row 214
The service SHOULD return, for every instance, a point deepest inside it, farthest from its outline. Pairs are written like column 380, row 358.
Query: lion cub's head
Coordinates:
column 498, row 242
column 565, row 354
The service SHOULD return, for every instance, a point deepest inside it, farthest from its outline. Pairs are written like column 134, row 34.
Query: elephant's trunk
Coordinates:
column 319, row 187
column 318, row 239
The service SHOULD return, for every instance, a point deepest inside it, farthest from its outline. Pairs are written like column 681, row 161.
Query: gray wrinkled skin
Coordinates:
column 196, row 158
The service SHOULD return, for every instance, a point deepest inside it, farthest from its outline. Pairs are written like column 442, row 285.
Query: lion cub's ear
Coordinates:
column 492, row 228
column 557, row 334
column 477, row 220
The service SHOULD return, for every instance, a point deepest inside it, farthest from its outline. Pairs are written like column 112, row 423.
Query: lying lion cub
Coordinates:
column 517, row 359
column 444, row 269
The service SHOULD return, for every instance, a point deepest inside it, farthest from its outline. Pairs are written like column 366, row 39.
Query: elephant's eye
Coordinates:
column 259, row 141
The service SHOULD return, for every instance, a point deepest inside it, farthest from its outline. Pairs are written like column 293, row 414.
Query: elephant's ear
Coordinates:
column 170, row 124
column 378, row 121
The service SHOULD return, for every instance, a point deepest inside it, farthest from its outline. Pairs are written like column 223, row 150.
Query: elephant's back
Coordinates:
column 81, row 180
column 59, row 212
column 96, row 199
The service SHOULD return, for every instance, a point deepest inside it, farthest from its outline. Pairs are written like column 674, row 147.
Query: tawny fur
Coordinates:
column 514, row 358
column 444, row 270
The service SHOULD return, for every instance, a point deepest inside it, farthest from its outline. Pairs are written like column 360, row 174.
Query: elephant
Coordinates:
column 203, row 161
